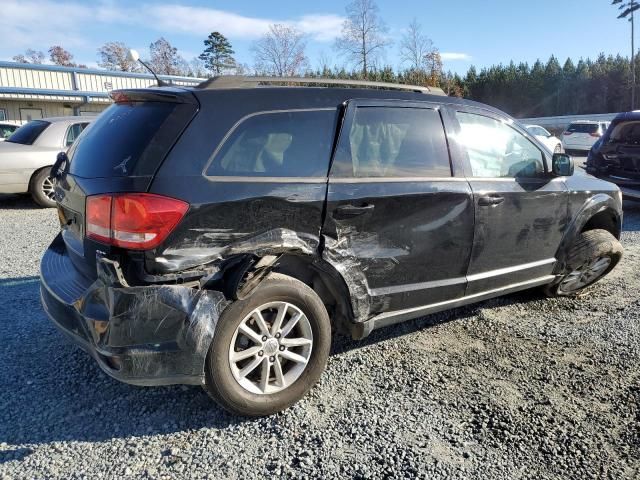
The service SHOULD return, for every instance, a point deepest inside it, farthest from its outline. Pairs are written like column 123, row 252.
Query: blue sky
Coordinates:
column 467, row 32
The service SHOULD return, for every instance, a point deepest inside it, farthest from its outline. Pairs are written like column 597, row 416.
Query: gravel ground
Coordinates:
column 516, row 387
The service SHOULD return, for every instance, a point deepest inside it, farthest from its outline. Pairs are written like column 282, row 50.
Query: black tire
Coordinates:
column 590, row 246
column 220, row 382
column 37, row 188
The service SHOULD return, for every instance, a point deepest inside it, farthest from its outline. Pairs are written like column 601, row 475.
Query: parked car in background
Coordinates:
column 580, row 136
column 6, row 129
column 29, row 153
column 553, row 143
column 616, row 156
column 218, row 235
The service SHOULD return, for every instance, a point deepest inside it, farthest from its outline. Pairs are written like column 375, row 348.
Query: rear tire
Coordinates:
column 291, row 370
column 41, row 188
column 594, row 254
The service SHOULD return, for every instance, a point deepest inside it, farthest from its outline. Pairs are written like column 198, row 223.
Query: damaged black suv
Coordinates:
column 217, row 235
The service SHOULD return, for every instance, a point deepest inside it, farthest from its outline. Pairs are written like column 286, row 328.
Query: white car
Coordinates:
column 6, row 129
column 580, row 136
column 26, row 157
column 554, row 144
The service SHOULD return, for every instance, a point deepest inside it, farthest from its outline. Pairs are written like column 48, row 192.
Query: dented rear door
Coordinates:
column 399, row 221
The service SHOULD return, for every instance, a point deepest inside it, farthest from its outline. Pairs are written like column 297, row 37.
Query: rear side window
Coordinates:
column 29, row 133
column 128, row 139
column 583, row 128
column 395, row 142
column 74, row 132
column 278, row 144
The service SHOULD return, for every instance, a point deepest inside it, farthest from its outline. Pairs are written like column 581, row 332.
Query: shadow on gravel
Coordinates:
column 17, row 202
column 53, row 391
column 16, row 454
column 343, row 344
column 631, row 216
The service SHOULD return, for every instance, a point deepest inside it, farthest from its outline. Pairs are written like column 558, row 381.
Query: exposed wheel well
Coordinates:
column 604, row 220
column 325, row 281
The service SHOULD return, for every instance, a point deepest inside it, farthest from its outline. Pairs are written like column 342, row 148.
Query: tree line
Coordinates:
column 587, row 86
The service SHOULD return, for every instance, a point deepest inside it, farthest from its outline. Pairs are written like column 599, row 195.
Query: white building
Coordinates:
column 29, row 91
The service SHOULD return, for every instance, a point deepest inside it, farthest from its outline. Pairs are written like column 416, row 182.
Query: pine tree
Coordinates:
column 218, row 54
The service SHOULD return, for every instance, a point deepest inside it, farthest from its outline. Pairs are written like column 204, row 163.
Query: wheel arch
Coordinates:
column 241, row 276
column 600, row 211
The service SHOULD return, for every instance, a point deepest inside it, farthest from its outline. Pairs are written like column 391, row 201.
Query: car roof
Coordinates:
column 589, row 122
column 627, row 116
column 69, row 119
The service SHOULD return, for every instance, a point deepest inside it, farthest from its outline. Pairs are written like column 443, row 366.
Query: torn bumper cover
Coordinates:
column 148, row 335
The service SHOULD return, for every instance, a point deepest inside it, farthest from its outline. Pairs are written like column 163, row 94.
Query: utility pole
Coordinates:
column 628, row 10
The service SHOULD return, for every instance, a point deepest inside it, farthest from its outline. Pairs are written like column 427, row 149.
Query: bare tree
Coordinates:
column 414, row 46
column 433, row 67
column 362, row 39
column 165, row 59
column 60, row 56
column 113, row 56
column 197, row 68
column 30, row 56
column 280, row 51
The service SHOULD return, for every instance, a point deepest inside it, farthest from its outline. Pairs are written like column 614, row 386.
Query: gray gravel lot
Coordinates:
column 516, row 387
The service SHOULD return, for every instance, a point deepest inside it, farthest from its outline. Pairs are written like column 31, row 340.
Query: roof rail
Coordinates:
column 241, row 81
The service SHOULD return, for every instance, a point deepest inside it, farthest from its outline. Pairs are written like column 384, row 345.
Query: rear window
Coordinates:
column 583, row 128
column 278, row 144
column 128, row 139
column 29, row 133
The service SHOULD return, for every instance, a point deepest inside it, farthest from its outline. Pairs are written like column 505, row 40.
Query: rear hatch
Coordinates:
column 119, row 152
column 581, row 135
column 620, row 150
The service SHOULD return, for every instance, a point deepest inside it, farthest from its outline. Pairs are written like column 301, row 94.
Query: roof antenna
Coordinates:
column 134, row 56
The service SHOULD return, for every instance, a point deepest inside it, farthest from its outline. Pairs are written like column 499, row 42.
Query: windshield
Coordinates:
column 583, row 128
column 625, row 132
column 29, row 133
column 127, row 139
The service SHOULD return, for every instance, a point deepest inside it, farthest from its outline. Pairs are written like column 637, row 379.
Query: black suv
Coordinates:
column 616, row 155
column 217, row 235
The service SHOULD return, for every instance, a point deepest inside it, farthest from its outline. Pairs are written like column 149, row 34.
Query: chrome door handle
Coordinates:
column 490, row 201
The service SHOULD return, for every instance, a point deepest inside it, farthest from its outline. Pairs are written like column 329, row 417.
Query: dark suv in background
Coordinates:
column 616, row 156
column 217, row 235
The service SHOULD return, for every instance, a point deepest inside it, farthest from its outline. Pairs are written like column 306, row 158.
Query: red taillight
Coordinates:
column 597, row 135
column 98, row 218
column 567, row 133
column 137, row 221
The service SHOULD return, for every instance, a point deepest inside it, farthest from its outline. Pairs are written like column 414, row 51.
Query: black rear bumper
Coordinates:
column 144, row 335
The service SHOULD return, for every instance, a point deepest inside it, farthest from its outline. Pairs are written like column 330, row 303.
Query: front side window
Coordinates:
column 395, row 142
column 495, row 149
column 278, row 144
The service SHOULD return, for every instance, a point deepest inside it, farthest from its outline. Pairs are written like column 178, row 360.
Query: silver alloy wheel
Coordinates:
column 584, row 275
column 48, row 188
column 277, row 338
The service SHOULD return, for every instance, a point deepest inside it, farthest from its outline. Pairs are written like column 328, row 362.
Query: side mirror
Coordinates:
column 562, row 165
column 60, row 165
